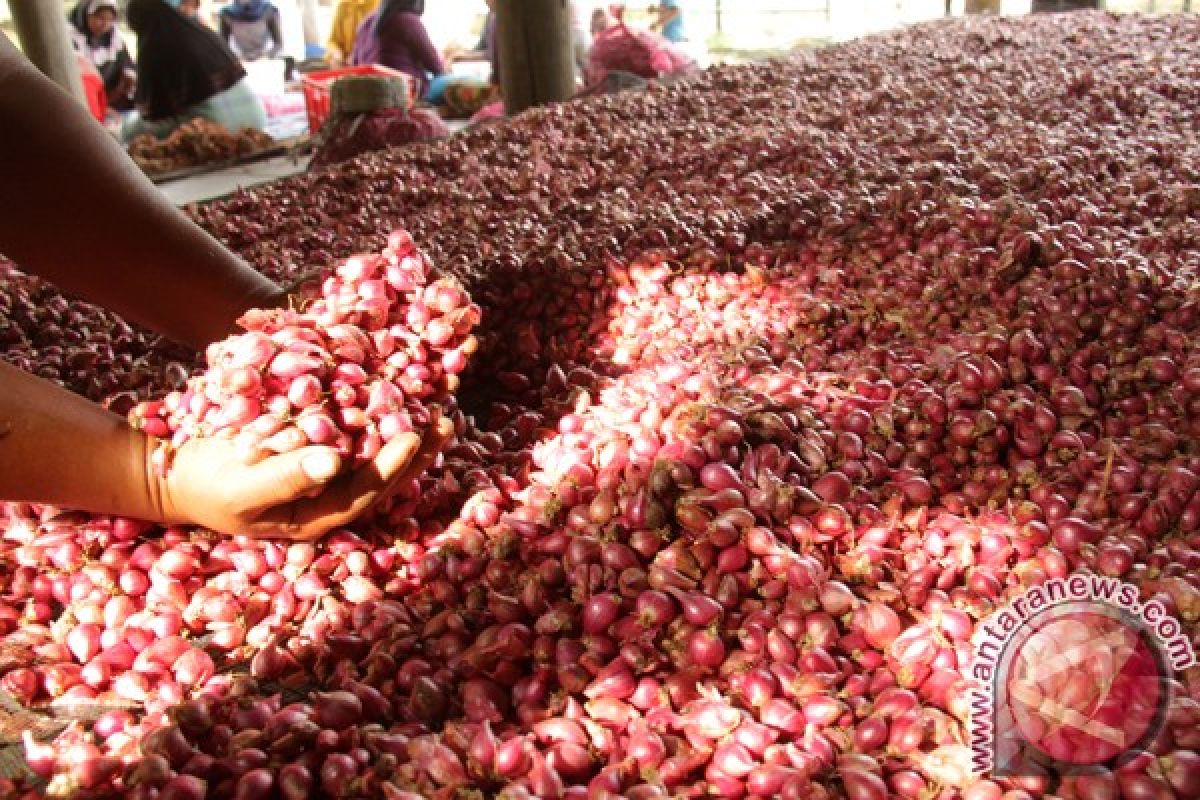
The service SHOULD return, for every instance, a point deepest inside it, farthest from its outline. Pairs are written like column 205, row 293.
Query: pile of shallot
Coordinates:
column 788, row 378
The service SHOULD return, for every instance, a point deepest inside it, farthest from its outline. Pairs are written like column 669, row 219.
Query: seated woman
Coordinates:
column 348, row 15
column 669, row 21
column 185, row 71
column 95, row 35
column 602, row 20
column 189, row 8
column 252, row 29
column 404, row 43
column 366, row 44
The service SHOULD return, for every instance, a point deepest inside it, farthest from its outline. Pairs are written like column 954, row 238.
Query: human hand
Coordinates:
column 126, row 86
column 301, row 495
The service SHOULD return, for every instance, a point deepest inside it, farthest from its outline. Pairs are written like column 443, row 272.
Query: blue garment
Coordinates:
column 673, row 30
column 437, row 88
column 247, row 10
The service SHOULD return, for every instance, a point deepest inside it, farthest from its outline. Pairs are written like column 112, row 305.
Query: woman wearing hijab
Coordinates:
column 185, row 71
column 404, row 43
column 95, row 35
column 366, row 43
column 189, row 8
column 252, row 28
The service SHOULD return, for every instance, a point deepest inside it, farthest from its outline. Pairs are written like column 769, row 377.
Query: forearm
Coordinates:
column 78, row 212
column 60, row 449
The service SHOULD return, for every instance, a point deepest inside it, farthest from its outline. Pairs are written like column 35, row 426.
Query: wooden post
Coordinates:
column 42, row 31
column 536, row 60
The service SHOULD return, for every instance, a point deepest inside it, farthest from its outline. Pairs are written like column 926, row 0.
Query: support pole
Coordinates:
column 312, row 31
column 42, row 31
column 536, row 60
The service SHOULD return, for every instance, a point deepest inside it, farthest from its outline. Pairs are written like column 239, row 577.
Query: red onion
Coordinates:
column 762, row 426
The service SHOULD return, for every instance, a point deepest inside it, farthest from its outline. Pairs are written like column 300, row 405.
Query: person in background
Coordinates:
column 348, row 16
column 184, row 71
column 77, row 212
column 252, row 28
column 581, row 38
column 95, row 35
column 404, row 44
column 601, row 21
column 189, row 8
column 669, row 21
column 485, row 48
column 310, row 25
column 366, row 43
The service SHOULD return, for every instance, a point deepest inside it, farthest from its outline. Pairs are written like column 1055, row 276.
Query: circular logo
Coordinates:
column 1085, row 685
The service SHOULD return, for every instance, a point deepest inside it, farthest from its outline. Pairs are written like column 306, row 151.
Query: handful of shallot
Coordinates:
column 353, row 369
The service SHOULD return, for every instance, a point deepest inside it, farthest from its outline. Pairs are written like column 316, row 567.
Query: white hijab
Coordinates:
column 100, row 50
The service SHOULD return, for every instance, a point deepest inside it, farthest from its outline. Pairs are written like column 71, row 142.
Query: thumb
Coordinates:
column 395, row 456
column 283, row 478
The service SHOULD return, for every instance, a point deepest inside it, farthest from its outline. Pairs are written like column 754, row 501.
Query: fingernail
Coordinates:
column 320, row 466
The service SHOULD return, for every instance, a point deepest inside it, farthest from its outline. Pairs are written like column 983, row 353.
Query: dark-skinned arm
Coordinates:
column 58, row 448
column 74, row 209
column 77, row 211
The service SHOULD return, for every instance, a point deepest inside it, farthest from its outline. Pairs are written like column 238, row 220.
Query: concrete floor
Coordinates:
column 211, row 185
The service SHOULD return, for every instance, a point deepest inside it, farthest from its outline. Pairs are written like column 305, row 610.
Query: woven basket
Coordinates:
column 361, row 94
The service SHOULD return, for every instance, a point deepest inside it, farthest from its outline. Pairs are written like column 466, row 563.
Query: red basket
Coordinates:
column 318, row 89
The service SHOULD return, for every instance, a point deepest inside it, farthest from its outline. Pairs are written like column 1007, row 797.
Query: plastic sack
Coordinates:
column 641, row 53
column 464, row 97
column 489, row 113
